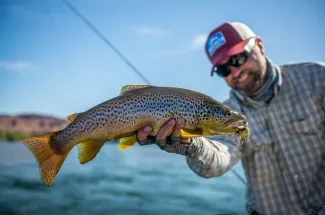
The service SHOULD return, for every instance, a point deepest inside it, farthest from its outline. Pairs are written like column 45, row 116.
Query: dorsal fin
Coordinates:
column 129, row 88
column 72, row 117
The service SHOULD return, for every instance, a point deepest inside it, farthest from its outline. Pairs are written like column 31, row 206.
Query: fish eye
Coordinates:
column 229, row 114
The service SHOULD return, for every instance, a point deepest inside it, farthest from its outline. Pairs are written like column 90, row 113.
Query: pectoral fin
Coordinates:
column 127, row 142
column 88, row 149
column 191, row 132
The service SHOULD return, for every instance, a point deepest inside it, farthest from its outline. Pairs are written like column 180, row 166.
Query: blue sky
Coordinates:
column 52, row 63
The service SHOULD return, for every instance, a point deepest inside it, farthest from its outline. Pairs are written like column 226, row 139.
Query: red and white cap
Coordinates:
column 226, row 40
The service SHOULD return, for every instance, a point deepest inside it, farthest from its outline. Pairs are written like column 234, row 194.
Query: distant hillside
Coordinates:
column 21, row 126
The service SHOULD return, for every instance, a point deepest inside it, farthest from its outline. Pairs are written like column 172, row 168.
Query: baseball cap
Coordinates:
column 226, row 40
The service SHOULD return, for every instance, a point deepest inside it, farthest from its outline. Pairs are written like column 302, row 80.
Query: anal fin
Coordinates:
column 88, row 149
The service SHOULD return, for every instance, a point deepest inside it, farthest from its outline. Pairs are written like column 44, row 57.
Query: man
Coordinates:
column 284, row 159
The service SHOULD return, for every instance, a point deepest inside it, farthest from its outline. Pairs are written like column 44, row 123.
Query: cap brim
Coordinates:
column 236, row 49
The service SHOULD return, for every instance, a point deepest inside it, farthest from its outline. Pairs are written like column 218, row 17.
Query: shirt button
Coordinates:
column 296, row 177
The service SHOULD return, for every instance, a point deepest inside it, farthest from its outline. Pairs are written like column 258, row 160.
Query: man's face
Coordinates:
column 250, row 76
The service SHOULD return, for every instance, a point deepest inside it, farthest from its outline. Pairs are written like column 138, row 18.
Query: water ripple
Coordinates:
column 137, row 181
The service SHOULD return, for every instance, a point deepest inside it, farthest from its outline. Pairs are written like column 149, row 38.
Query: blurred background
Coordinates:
column 53, row 63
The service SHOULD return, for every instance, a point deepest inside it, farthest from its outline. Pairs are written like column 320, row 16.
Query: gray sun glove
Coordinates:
column 148, row 141
column 171, row 145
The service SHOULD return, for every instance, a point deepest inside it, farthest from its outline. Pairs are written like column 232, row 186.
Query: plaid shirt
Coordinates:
column 284, row 159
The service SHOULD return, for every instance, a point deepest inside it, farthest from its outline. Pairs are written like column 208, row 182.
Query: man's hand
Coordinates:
column 168, row 138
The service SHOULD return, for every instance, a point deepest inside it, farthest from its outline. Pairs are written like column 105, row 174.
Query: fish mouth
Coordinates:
column 235, row 124
column 235, row 121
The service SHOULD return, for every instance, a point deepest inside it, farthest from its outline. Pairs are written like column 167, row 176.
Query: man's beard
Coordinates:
column 254, row 81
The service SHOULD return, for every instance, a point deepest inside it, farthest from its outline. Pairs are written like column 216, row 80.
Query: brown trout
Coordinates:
column 121, row 117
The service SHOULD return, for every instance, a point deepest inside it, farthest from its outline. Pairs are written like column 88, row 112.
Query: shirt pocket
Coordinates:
column 313, row 124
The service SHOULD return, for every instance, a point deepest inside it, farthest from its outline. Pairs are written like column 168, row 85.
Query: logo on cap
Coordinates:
column 215, row 41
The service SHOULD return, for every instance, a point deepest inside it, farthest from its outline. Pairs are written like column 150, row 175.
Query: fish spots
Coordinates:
column 158, row 103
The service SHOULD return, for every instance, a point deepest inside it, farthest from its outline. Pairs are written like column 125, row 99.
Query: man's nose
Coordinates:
column 235, row 71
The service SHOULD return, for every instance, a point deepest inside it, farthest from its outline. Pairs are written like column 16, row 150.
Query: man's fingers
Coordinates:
column 143, row 133
column 165, row 130
column 178, row 126
column 186, row 140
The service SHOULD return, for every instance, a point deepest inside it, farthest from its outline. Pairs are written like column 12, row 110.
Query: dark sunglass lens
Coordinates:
column 222, row 71
column 239, row 59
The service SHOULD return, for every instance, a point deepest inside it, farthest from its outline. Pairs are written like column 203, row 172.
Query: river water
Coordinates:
column 140, row 180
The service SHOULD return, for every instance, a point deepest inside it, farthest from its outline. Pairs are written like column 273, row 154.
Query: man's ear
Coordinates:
column 260, row 44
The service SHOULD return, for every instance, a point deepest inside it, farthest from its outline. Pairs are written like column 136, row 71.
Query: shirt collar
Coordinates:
column 249, row 101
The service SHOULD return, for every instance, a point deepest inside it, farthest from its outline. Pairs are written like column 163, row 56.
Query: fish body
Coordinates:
column 121, row 117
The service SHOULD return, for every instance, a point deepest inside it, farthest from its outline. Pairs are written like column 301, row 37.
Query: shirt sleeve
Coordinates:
column 210, row 158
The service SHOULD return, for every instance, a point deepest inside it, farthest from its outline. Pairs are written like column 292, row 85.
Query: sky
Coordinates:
column 52, row 63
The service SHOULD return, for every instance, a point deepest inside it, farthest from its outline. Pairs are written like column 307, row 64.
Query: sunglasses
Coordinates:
column 236, row 60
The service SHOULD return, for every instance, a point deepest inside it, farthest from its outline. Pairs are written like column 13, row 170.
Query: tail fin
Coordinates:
column 49, row 160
